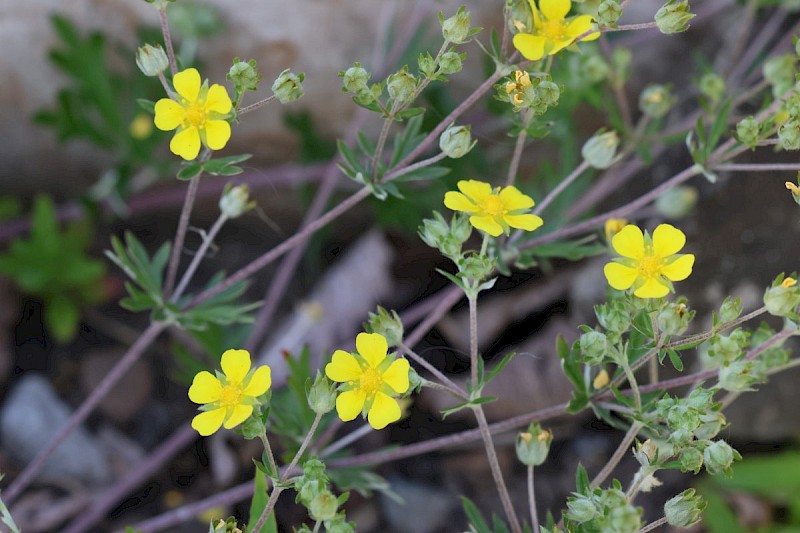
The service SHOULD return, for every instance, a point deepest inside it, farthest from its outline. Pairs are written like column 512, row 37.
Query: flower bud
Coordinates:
column 288, row 86
column 725, row 348
column 456, row 29
column 437, row 234
column 323, row 506
column 674, row 318
column 235, row 201
column 549, row 92
column 595, row 68
column 141, row 126
column 401, row 86
column 747, row 131
column 387, row 324
column 691, row 460
column 783, row 297
column 581, row 509
column 779, row 72
column 737, row 376
column 321, row 396
column 476, row 267
column 451, row 62
column 355, row 79
column 712, row 86
column 719, row 457
column 656, row 101
column 730, row 309
column 151, row 60
column 612, row 227
column 685, row 509
column 456, row 141
column 608, row 13
column 533, row 445
column 225, row 526
column 601, row 150
column 339, row 526
column 677, row 202
column 244, row 75
column 594, row 346
column 789, row 135
column 710, row 425
column 460, row 227
column 674, row 17
column 646, row 452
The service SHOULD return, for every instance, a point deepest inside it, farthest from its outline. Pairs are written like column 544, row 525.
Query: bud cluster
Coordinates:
column 535, row 91
column 313, row 491
column 447, row 238
column 604, row 510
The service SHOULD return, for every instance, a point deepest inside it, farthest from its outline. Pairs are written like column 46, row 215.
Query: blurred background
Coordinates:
column 81, row 162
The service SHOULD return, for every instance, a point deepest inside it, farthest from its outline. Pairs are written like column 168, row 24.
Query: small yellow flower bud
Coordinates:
column 612, row 227
column 795, row 190
column 601, row 380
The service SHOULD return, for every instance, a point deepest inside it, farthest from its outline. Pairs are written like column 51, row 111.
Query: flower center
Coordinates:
column 195, row 115
column 230, row 396
column 554, row 30
column 370, row 381
column 649, row 266
column 493, row 206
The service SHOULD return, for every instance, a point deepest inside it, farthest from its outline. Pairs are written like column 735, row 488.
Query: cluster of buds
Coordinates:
column 313, row 491
column 447, row 238
column 604, row 510
column 387, row 324
column 535, row 91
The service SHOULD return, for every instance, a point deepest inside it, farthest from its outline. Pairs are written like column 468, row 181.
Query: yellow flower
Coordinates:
column 493, row 211
column 198, row 115
column 648, row 264
column 552, row 31
column 371, row 381
column 228, row 398
column 522, row 80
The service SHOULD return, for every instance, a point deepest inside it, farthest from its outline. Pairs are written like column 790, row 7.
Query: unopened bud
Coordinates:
column 151, row 60
column 235, row 201
column 401, row 86
column 600, row 380
column 789, row 135
column 456, row 141
column 737, row 376
column 594, row 346
column 747, row 131
column 533, row 445
column 779, row 71
column 608, row 13
column 677, row 202
column 613, row 226
column 321, row 396
column 674, row 318
column 323, row 506
column 355, row 79
column 456, row 29
column 691, row 460
column 451, row 62
column 387, row 324
column 730, row 309
column 656, row 101
column 674, row 17
column 549, row 92
column 783, row 297
column 601, row 150
column 712, row 85
column 581, row 509
column 288, row 86
column 244, row 75
column 719, row 457
column 685, row 509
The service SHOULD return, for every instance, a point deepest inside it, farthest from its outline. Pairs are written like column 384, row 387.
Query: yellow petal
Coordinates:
column 526, row 222
column 260, row 382
column 349, row 404
column 652, row 288
column 619, row 276
column 667, row 240
column 477, row 191
column 555, row 9
column 205, row 388
column 208, row 422
column 217, row 133
column 556, row 46
column 513, row 199
column 530, row 46
column 680, row 268
column 187, row 84
column 169, row 114
column 384, row 411
column 458, row 202
column 186, row 143
column 239, row 414
column 579, row 25
column 218, row 100
column 486, row 223
column 629, row 242
column 343, row 367
column 396, row 376
column 372, row 347
column 235, row 364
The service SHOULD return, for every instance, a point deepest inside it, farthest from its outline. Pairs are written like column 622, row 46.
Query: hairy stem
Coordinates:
column 619, row 453
column 162, row 15
column 180, row 235
column 199, row 255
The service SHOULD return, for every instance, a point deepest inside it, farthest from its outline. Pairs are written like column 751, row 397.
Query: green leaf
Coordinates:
column 582, row 480
column 474, row 516
column 675, row 359
column 498, row 367
column 225, row 166
column 410, row 112
column 146, row 105
column 259, row 503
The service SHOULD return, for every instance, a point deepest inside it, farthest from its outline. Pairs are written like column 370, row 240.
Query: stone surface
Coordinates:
column 128, row 396
column 425, row 509
column 31, row 416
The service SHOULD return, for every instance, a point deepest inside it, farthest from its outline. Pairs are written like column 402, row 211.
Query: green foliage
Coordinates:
column 221, row 166
column 53, row 265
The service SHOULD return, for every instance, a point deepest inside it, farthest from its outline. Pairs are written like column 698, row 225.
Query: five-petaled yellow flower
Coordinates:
column 649, row 265
column 493, row 210
column 371, row 381
column 552, row 31
column 229, row 397
column 522, row 80
column 198, row 115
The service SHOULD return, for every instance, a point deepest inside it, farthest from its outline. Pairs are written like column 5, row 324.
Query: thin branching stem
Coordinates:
column 653, row 525
column 199, row 255
column 180, row 235
column 617, row 456
column 532, row 501
column 162, row 15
